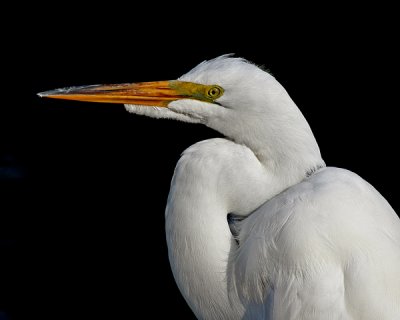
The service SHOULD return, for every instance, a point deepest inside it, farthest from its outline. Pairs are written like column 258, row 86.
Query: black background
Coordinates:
column 84, row 186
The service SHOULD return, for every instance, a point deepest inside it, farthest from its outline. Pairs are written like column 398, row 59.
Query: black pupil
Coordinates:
column 213, row 92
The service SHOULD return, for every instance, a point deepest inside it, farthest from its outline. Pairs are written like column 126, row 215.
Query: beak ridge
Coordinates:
column 157, row 93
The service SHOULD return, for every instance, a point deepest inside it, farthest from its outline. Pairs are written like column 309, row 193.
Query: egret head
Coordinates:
column 230, row 95
column 217, row 87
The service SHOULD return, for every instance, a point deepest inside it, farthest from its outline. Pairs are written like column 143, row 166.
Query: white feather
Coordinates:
column 316, row 242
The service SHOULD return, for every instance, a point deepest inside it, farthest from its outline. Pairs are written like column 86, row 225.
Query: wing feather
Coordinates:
column 327, row 248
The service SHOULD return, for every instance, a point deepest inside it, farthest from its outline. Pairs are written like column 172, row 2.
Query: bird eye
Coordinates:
column 214, row 92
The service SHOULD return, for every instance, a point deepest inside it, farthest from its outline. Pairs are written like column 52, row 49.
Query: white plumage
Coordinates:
column 310, row 242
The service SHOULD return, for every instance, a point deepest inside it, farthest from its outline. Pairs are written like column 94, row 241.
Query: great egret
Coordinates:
column 301, row 241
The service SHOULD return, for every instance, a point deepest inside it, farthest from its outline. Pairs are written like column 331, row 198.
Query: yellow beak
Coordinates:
column 157, row 93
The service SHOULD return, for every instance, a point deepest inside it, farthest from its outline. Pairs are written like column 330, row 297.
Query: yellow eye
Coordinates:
column 214, row 92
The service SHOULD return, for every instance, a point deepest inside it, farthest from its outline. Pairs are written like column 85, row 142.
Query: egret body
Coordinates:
column 307, row 241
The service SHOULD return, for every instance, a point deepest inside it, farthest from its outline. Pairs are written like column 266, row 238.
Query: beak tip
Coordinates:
column 45, row 94
column 66, row 91
column 42, row 94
